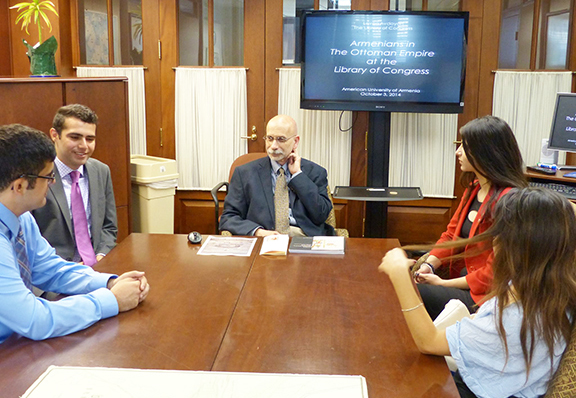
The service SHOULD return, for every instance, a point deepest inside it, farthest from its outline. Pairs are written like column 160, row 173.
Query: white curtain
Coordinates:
column 422, row 152
column 421, row 148
column 525, row 100
column 211, row 115
column 136, row 101
column 321, row 138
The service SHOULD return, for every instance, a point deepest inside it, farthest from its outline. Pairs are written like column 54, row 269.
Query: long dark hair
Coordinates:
column 534, row 240
column 535, row 264
column 492, row 150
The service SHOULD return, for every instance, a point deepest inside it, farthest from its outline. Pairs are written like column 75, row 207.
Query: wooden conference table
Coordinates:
column 320, row 314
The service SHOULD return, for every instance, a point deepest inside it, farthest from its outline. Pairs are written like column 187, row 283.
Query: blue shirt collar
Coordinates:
column 9, row 223
column 276, row 166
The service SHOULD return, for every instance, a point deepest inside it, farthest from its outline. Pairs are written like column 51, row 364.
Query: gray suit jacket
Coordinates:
column 250, row 201
column 54, row 218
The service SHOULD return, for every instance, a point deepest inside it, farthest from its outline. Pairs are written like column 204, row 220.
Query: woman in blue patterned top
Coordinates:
column 513, row 345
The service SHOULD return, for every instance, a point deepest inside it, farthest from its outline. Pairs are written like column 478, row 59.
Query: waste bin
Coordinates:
column 154, row 182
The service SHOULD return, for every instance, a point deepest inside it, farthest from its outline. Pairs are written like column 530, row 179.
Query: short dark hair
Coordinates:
column 23, row 150
column 77, row 111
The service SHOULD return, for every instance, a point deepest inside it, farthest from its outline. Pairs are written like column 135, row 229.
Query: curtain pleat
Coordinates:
column 525, row 100
column 422, row 152
column 136, row 101
column 321, row 138
column 211, row 116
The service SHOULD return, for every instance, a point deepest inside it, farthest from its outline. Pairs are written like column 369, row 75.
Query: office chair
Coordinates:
column 563, row 383
column 243, row 159
column 240, row 160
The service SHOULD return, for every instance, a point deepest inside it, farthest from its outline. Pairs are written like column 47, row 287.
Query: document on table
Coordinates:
column 274, row 245
column 227, row 246
column 74, row 382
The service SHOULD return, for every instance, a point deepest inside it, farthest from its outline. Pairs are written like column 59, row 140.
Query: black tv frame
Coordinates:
column 382, row 106
column 560, row 123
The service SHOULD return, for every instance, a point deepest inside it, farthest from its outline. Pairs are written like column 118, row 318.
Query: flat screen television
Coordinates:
column 393, row 61
column 563, row 131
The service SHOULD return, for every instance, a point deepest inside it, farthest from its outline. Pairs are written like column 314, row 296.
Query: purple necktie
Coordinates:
column 83, row 242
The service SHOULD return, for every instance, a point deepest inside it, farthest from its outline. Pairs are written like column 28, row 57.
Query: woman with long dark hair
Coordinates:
column 491, row 165
column 514, row 343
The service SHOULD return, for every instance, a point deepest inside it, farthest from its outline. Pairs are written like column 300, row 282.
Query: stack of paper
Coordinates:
column 72, row 382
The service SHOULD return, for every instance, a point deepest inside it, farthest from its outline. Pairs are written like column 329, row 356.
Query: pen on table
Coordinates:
column 547, row 166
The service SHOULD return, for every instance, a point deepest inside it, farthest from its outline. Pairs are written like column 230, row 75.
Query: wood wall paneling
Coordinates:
column 150, row 37
column 417, row 222
column 124, row 222
column 358, row 167
column 361, row 5
column 380, row 5
column 65, row 38
column 168, row 17
column 255, row 35
column 472, row 62
column 572, row 46
column 5, row 45
column 33, row 102
column 491, row 17
column 413, row 225
column 341, row 208
column 273, row 56
column 194, row 211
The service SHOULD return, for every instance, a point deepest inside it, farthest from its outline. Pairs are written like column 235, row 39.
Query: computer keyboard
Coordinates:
column 566, row 190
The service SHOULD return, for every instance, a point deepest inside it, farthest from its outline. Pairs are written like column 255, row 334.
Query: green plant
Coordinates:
column 31, row 12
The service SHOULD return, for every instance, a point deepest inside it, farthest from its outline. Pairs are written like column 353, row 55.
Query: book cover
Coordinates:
column 301, row 244
column 318, row 245
column 274, row 245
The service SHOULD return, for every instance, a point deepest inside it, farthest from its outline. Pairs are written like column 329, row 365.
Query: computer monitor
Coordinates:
column 563, row 132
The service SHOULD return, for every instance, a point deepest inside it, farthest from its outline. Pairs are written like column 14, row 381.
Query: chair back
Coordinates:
column 331, row 220
column 243, row 159
column 563, row 383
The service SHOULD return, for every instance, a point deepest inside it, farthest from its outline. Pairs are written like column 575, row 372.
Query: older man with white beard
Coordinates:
column 281, row 193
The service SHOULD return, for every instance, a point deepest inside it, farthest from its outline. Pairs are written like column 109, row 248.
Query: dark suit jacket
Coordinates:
column 54, row 218
column 250, row 201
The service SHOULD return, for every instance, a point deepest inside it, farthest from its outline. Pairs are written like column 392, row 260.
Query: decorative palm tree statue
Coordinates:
column 42, row 60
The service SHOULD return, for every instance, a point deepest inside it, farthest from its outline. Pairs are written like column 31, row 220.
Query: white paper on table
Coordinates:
column 275, row 245
column 75, row 382
column 227, row 246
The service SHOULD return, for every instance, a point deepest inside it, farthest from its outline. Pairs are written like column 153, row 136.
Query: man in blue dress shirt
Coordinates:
column 27, row 260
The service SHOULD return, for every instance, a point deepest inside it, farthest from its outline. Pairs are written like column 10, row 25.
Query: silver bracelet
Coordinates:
column 430, row 266
column 413, row 308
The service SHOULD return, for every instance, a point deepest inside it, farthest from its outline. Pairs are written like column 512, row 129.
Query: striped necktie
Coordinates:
column 281, row 203
column 22, row 257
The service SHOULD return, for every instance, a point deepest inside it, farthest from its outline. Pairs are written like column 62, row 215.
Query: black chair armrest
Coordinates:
column 214, row 193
